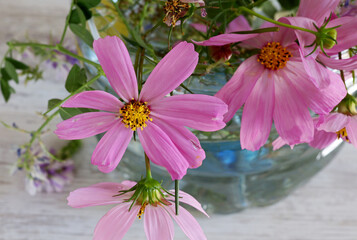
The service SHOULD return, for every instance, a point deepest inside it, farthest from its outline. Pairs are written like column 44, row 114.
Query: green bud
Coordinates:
column 328, row 43
column 348, row 105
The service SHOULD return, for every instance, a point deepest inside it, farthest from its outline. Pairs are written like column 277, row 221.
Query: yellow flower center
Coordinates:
column 342, row 134
column 135, row 114
column 174, row 10
column 142, row 210
column 274, row 56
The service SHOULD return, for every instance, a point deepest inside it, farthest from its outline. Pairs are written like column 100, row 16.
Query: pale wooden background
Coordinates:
column 323, row 209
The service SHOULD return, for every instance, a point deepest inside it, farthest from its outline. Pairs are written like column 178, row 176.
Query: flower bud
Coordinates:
column 328, row 43
column 220, row 52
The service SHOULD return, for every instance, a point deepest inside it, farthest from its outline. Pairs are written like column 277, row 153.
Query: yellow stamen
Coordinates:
column 342, row 134
column 134, row 114
column 174, row 10
column 274, row 56
column 142, row 210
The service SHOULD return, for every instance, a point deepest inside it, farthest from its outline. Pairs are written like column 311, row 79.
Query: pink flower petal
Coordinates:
column 188, row 199
column 116, row 222
column 99, row 100
column 224, row 39
column 304, row 38
column 334, row 122
column 322, row 139
column 170, row 72
column 199, row 27
column 97, row 194
column 187, row 223
column 201, row 112
column 348, row 64
column 291, row 115
column 85, row 125
column 185, row 141
column 317, row 74
column 286, row 36
column 317, row 10
column 240, row 23
column 236, row 91
column 158, row 224
column 351, row 129
column 111, row 147
column 116, row 63
column 320, row 100
column 162, row 151
column 279, row 143
column 257, row 115
column 345, row 37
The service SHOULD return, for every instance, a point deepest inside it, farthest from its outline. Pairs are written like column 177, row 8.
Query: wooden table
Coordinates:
column 323, row 209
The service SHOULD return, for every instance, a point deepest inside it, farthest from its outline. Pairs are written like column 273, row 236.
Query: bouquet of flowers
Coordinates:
column 285, row 59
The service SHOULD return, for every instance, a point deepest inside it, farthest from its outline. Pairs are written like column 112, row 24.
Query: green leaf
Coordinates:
column 53, row 102
column 5, row 89
column 77, row 17
column 289, row 4
column 10, row 69
column 82, row 33
column 67, row 113
column 269, row 9
column 17, row 64
column 75, row 79
column 87, row 13
column 4, row 74
column 88, row 3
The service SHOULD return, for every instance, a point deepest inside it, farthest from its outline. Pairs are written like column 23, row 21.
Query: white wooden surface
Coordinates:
column 323, row 209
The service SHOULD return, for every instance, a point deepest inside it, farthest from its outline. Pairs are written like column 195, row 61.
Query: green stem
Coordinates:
column 148, row 168
column 247, row 10
column 140, row 70
column 341, row 71
column 84, row 86
column 177, row 197
column 58, row 48
column 61, row 49
column 67, row 22
column 49, row 119
column 39, row 130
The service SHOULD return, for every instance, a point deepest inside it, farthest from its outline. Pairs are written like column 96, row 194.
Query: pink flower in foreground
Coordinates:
column 157, row 217
column 275, row 85
column 316, row 12
column 160, row 121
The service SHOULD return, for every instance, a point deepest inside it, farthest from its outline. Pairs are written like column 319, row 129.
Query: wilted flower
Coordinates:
column 156, row 206
column 159, row 121
column 177, row 9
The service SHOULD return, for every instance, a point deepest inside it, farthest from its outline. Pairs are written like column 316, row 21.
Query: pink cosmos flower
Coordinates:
column 329, row 128
column 276, row 85
column 159, row 121
column 316, row 12
column 157, row 218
